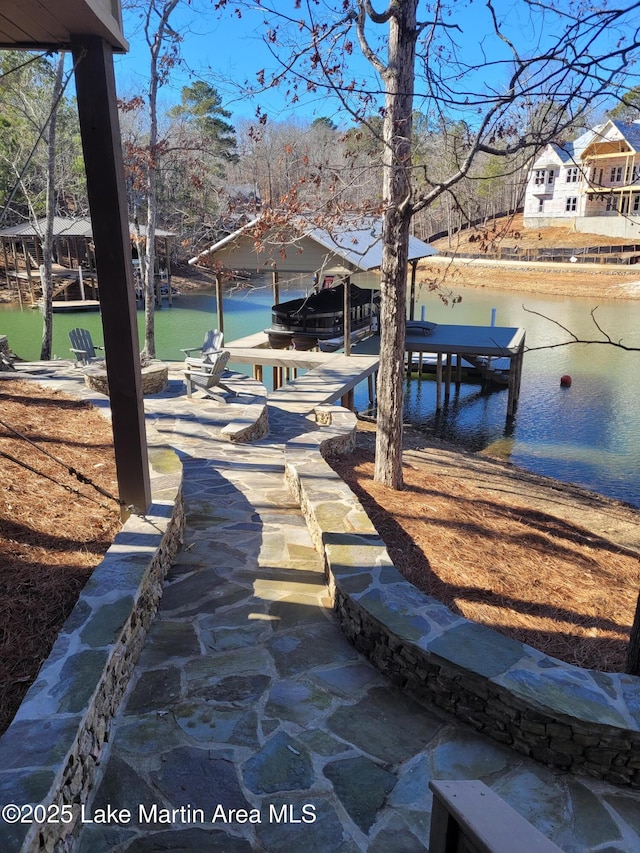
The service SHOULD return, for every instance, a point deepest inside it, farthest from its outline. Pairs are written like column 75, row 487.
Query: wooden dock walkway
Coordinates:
column 330, row 377
column 333, row 381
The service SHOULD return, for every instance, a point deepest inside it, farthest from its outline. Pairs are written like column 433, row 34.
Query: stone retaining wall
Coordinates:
column 566, row 717
column 49, row 753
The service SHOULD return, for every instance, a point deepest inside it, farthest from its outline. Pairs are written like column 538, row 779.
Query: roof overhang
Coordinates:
column 357, row 245
column 606, row 148
column 50, row 24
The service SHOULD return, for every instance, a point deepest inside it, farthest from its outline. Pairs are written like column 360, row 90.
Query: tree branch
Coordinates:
column 608, row 340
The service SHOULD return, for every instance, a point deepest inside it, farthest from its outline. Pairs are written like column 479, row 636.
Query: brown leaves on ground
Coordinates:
column 541, row 579
column 53, row 529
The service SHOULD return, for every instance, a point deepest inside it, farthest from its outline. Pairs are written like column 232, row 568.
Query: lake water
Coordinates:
column 587, row 434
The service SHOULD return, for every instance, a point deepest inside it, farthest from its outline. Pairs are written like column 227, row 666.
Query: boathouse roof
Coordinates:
column 66, row 226
column 355, row 243
column 360, row 244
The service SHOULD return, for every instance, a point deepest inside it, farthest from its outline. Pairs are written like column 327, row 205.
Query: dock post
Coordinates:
column 458, row 369
column 347, row 316
column 518, row 380
column 438, row 382
column 347, row 400
column 447, row 379
column 412, row 298
column 219, row 303
column 512, row 385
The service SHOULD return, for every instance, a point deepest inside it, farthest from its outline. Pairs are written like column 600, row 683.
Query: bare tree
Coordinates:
column 47, row 237
column 570, row 56
column 163, row 42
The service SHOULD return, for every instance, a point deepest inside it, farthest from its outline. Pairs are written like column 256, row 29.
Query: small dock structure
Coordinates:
column 334, row 376
column 330, row 377
column 477, row 345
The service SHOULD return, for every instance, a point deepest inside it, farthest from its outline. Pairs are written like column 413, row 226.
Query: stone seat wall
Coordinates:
column 566, row 717
column 49, row 753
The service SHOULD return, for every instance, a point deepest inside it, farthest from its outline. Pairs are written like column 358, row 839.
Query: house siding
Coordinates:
column 595, row 188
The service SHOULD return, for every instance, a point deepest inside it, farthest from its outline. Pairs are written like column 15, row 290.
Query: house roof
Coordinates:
column 65, row 226
column 630, row 130
column 566, row 152
column 610, row 135
column 358, row 242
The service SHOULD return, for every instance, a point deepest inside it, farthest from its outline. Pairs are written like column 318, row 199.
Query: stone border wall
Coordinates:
column 573, row 719
column 49, row 753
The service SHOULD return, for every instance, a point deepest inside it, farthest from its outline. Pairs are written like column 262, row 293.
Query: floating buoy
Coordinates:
column 565, row 381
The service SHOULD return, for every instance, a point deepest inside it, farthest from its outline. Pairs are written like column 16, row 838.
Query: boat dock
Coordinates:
column 330, row 377
column 333, row 376
column 480, row 346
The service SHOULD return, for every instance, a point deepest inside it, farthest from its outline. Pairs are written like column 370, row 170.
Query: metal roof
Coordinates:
column 357, row 242
column 64, row 226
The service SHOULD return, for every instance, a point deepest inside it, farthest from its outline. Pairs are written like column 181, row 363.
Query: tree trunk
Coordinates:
column 149, row 255
column 396, row 193
column 632, row 664
column 47, row 237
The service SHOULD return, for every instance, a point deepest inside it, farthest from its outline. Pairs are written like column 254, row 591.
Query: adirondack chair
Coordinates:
column 206, row 375
column 82, row 345
column 5, row 362
column 211, row 345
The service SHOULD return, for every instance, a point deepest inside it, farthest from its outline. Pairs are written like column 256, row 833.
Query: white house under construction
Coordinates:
column 593, row 181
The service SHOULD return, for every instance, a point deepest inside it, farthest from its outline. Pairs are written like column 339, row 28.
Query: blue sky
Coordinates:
column 228, row 51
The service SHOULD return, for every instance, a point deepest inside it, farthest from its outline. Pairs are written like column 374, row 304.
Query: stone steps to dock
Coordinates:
column 250, row 722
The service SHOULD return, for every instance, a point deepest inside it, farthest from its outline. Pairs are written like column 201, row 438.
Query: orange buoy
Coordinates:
column 565, row 381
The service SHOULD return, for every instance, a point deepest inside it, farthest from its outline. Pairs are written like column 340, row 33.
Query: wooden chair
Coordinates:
column 211, row 345
column 5, row 362
column 82, row 345
column 206, row 375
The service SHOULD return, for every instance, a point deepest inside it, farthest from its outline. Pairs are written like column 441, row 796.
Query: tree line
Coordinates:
column 211, row 169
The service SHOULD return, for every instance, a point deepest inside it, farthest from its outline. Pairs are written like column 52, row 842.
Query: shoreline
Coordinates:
column 588, row 281
column 544, row 279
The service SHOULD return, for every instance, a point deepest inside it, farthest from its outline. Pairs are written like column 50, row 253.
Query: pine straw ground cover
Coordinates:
column 517, row 558
column 490, row 555
column 50, row 538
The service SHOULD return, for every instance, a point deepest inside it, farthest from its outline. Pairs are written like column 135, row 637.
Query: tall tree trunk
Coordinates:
column 399, row 82
column 47, row 237
column 150, row 257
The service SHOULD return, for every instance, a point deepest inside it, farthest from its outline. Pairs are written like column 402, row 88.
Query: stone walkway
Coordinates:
column 253, row 725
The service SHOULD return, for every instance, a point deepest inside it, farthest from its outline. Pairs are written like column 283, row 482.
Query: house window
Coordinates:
column 635, row 206
column 550, row 176
column 539, row 176
column 612, row 202
column 635, row 175
column 616, row 174
column 572, row 175
column 540, row 205
column 571, row 204
column 601, row 176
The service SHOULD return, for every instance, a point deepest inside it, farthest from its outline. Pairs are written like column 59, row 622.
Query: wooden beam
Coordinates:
column 100, row 132
column 469, row 816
